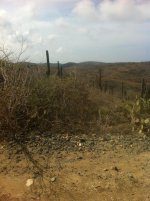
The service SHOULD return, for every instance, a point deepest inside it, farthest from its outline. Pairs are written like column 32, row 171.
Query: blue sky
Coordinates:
column 77, row 30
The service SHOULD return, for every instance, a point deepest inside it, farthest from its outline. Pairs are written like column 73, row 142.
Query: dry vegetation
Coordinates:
column 28, row 103
column 83, row 100
column 44, row 115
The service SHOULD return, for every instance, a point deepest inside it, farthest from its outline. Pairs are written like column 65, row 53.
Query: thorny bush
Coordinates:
column 29, row 103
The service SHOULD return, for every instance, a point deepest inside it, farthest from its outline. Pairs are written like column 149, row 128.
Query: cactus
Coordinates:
column 48, row 64
column 139, row 115
column 122, row 90
column 100, row 79
column 112, row 90
column 106, row 86
column 58, row 69
column 143, row 89
column 148, row 92
column 61, row 71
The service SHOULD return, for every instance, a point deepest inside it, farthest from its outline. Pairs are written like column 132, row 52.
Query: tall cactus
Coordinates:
column 122, row 90
column 48, row 64
column 100, row 79
column 61, row 71
column 58, row 69
column 143, row 89
column 106, row 86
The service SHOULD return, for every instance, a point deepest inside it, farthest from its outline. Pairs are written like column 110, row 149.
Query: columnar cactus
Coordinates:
column 48, row 64
column 58, row 69
column 100, row 79
column 143, row 89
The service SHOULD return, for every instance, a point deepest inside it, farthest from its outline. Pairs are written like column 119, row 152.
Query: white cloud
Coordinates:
column 144, row 10
column 52, row 37
column 86, row 9
column 118, row 10
column 4, row 19
column 61, row 23
column 2, row 12
column 59, row 50
column 113, row 10
column 84, row 29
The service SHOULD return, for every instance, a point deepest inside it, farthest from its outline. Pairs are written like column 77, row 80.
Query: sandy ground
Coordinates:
column 109, row 175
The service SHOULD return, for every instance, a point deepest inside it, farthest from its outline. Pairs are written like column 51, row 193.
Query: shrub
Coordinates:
column 13, row 101
column 63, row 101
column 29, row 103
column 139, row 112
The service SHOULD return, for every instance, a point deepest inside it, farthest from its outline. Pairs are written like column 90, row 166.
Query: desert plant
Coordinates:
column 13, row 102
column 48, row 63
column 143, row 88
column 100, row 79
column 139, row 115
column 64, row 101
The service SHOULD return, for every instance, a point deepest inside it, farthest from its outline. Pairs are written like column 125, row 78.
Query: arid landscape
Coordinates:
column 67, row 136
column 75, row 100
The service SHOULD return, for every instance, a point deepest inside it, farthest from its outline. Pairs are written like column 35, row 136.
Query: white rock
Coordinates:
column 53, row 179
column 29, row 182
column 80, row 145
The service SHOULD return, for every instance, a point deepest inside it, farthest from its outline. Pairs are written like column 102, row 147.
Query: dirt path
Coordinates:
column 78, row 176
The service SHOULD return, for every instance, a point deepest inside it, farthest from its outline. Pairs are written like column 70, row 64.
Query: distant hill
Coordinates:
column 69, row 64
column 90, row 64
column 73, row 64
column 113, row 74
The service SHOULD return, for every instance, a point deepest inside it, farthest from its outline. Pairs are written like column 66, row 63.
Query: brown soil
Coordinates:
column 80, row 175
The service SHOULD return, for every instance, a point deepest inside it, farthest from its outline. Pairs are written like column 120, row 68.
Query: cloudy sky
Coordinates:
column 77, row 30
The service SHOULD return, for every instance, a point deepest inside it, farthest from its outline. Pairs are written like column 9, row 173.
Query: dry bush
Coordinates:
column 29, row 102
column 108, row 107
column 14, row 92
column 62, row 105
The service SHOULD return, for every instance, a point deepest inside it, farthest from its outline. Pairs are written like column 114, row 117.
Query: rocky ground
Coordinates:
column 112, row 167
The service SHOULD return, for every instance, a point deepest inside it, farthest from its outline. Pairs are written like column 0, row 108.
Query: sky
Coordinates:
column 76, row 30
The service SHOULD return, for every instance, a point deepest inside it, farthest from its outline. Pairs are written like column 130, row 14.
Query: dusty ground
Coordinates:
column 97, row 169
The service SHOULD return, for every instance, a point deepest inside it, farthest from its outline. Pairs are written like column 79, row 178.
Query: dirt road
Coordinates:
column 96, row 175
